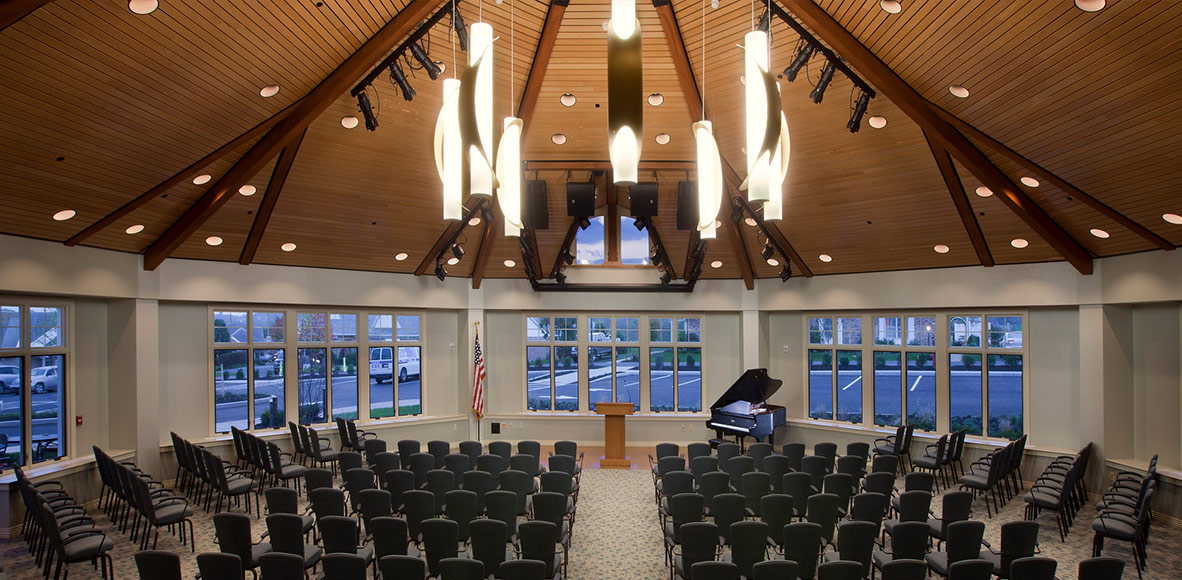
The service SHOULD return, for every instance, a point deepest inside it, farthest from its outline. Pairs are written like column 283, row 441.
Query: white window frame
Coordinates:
column 66, row 443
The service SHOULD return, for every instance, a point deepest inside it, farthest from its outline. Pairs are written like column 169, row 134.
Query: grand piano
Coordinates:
column 743, row 411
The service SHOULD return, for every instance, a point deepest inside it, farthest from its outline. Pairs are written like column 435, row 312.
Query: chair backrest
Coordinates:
column 281, row 566
column 712, row 484
column 958, row 445
column 438, row 450
column 941, row 450
column 282, row 500
column 699, row 543
column 1103, row 568
column 374, row 503
column 297, row 443
column 1017, row 454
column 1018, row 540
column 919, row 481
column 159, row 565
column 775, row 466
column 457, row 463
column 973, row 569
column 338, row 566
column 563, row 463
column 439, row 482
column 480, row 483
column 492, row 463
column 667, row 450
column 501, row 505
column 420, row 464
column 879, row 482
column 914, row 506
column 726, row 451
column 909, row 541
column 461, row 508
column 286, row 533
column 908, row 435
column 219, row 565
column 794, row 452
column 561, row 482
column 398, row 482
column 905, row 570
column 530, row 448
column 827, row 450
column 538, row 540
column 233, row 535
column 384, row 462
column 525, row 462
column 372, row 448
column 694, row 450
column 841, row 485
column 675, row 482
column 957, row 507
column 684, row 508
column 869, row 507
column 568, row 448
column 1032, row 568
column 390, row 536
column 343, row 433
column 441, row 539
column 839, row 570
column 338, row 534
column 354, row 440
column 502, row 448
column 402, row 567
column 523, row 570
column 816, row 467
column 715, row 571
column 855, row 542
column 728, row 509
column 670, row 463
column 798, row 484
column 473, row 449
column 748, row 545
column 802, row 544
column 350, row 460
column 317, row 478
column 852, row 465
column 357, row 480
column 519, row 483
column 406, row 448
column 759, row 451
column 736, row 467
column 420, row 506
column 858, row 449
column 964, row 540
column 822, row 509
column 489, row 538
column 460, row 569
column 885, row 463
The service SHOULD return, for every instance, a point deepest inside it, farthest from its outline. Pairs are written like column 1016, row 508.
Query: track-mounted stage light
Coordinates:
column 560, row 278
column 371, row 122
column 640, row 223
column 666, row 277
column 584, row 223
column 399, row 78
column 567, row 257
column 527, row 252
column 765, row 21
column 767, row 252
column 425, row 61
column 457, row 22
column 859, row 110
column 457, row 251
column 802, row 58
column 823, row 83
column 439, row 271
column 786, row 273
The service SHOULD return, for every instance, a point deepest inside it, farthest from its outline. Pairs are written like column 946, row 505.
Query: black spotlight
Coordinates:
column 765, row 22
column 584, row 223
column 439, row 271
column 802, row 58
column 767, row 252
column 399, row 77
column 859, row 110
column 371, row 122
column 457, row 251
column 736, row 212
column 786, row 273
column 560, row 278
column 823, row 83
column 425, row 61
column 567, row 257
column 526, row 251
column 640, row 223
column 457, row 22
column 666, row 277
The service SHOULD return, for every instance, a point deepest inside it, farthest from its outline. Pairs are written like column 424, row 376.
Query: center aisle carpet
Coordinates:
column 616, row 535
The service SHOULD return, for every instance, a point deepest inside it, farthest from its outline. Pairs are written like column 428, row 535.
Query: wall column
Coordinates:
column 133, row 404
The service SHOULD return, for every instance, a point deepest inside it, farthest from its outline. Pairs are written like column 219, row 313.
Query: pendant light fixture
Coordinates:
column 767, row 129
column 710, row 189
column 625, row 107
column 449, row 151
column 509, row 155
column 476, row 111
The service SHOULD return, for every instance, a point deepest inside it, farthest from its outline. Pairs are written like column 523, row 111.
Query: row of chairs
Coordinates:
column 1125, row 512
column 1060, row 488
column 1033, row 568
column 57, row 529
column 266, row 462
column 132, row 496
column 201, row 472
column 992, row 475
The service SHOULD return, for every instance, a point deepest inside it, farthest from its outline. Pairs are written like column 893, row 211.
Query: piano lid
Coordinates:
column 755, row 386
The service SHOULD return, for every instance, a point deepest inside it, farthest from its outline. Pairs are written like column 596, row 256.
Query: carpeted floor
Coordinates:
column 617, row 536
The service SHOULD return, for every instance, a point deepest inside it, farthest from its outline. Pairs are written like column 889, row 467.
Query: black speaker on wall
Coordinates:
column 580, row 199
column 534, row 211
column 643, row 199
column 687, row 205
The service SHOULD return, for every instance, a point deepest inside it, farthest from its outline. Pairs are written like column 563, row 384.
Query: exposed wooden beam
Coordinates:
column 694, row 238
column 12, row 11
column 451, row 232
column 1046, row 175
column 571, row 231
column 531, row 239
column 164, row 186
column 487, row 240
column 961, row 200
column 612, row 225
column 306, row 111
column 777, row 239
column 924, row 115
column 738, row 246
column 537, row 70
column 270, row 198
column 655, row 236
column 591, row 165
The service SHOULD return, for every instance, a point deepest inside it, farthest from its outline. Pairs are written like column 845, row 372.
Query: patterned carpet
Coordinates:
column 617, row 536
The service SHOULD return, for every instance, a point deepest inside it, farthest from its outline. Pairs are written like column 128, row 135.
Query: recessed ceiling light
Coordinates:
column 958, row 91
column 662, row 138
column 269, row 91
column 716, row 264
column 940, row 249
column 453, row 261
column 890, row 6
column 1090, row 5
column 247, row 190
column 64, row 215
column 877, row 121
column 142, row 7
column 558, row 138
column 825, row 258
column 750, row 221
column 400, row 256
column 202, row 179
column 773, row 262
column 288, row 247
column 567, row 100
column 656, row 99
column 475, row 221
column 1099, row 233
column 1029, row 182
column 133, row 230
column 743, row 150
column 1172, row 218
column 1019, row 243
column 984, row 191
column 349, row 122
column 714, row 4
column 213, row 241
column 717, row 224
column 510, row 263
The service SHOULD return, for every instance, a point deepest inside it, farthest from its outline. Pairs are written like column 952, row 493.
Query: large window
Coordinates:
column 623, row 362
column 34, row 347
column 908, row 365
column 249, row 376
column 331, row 355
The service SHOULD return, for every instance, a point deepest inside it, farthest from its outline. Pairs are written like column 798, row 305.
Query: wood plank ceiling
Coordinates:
column 100, row 105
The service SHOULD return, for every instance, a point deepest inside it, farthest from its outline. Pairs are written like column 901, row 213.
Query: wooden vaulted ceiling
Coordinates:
column 101, row 106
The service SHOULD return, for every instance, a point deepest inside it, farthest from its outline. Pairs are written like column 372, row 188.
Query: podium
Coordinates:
column 613, row 434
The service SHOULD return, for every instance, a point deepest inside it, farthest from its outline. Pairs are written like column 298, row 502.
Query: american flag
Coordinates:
column 478, row 377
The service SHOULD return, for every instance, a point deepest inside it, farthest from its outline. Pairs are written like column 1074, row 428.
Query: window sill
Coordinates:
column 593, row 415
column 63, row 467
column 923, row 436
column 1141, row 466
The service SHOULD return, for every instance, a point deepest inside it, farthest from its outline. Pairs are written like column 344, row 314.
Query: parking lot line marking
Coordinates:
column 852, row 383
column 916, row 383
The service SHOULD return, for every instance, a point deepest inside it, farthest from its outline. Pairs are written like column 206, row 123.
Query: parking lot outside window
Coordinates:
column 249, row 369
column 34, row 380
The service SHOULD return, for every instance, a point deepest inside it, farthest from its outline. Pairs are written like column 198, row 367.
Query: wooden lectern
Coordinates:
column 613, row 434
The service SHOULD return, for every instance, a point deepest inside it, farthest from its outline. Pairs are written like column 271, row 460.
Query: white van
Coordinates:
column 381, row 363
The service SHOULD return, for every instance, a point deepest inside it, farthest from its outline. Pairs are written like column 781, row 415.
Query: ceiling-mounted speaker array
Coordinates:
column 580, row 199
column 687, row 205
column 534, row 211
column 643, row 199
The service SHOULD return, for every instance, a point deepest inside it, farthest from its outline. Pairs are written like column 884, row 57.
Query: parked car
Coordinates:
column 10, row 379
column 44, row 379
column 381, row 364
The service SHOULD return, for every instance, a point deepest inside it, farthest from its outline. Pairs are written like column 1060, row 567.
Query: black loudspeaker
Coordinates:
column 580, row 199
column 687, row 205
column 534, row 211
column 643, row 199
